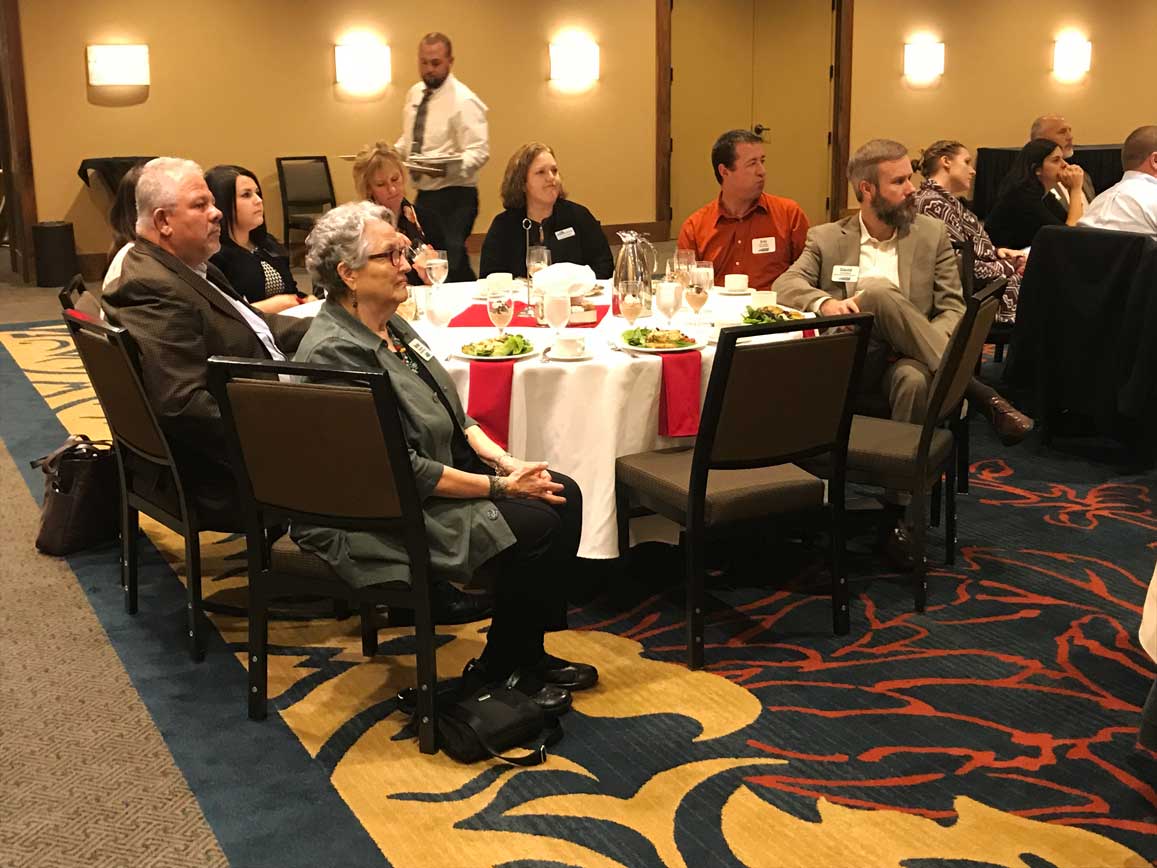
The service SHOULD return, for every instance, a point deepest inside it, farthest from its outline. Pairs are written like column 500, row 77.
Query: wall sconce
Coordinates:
column 118, row 65
column 923, row 60
column 362, row 65
column 1072, row 56
column 574, row 62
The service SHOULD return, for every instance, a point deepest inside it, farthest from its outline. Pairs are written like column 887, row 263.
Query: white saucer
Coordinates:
column 582, row 357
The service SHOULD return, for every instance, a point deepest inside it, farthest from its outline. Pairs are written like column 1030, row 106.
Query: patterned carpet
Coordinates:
column 997, row 728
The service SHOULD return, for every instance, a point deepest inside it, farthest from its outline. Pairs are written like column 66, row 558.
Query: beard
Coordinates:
column 899, row 216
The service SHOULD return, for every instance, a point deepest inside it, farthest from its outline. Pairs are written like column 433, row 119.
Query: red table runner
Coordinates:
column 489, row 398
column 679, row 394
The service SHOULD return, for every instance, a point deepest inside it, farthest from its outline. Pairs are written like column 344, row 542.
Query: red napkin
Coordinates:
column 489, row 399
column 679, row 394
column 475, row 316
column 809, row 333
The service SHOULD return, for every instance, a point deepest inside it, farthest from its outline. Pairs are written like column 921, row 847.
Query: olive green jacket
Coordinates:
column 462, row 534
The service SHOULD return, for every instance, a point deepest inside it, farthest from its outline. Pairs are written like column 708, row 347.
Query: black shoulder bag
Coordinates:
column 81, row 496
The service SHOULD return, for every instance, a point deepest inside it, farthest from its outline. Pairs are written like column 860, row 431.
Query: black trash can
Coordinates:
column 56, row 261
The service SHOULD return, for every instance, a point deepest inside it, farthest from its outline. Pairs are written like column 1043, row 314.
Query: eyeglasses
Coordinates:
column 396, row 255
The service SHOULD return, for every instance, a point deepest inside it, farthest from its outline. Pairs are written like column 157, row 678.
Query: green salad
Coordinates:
column 657, row 339
column 769, row 314
column 511, row 345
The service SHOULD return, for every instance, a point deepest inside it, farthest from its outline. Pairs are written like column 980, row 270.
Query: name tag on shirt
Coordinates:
column 845, row 273
column 763, row 245
column 423, row 351
column 563, row 234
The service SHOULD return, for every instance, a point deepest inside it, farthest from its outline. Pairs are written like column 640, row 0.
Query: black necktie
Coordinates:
column 420, row 127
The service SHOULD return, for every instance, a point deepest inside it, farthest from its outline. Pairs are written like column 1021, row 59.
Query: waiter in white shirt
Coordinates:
column 1130, row 205
column 445, row 141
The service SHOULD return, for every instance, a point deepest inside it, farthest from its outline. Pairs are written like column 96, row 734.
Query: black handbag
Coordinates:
column 488, row 724
column 81, row 496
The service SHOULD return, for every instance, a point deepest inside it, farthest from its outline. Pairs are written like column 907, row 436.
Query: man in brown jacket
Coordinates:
column 180, row 311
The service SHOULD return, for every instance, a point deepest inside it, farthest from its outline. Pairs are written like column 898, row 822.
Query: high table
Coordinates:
column 580, row 416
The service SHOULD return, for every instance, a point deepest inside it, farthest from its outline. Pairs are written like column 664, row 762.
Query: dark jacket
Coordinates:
column 243, row 270
column 582, row 240
column 421, row 226
column 1019, row 214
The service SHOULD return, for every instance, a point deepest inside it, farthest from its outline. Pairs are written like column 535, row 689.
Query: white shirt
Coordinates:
column 252, row 318
column 1130, row 205
column 455, row 125
column 114, row 269
column 879, row 258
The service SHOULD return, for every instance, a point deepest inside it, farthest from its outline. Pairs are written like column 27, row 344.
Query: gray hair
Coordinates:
column 338, row 237
column 1038, row 126
column 865, row 163
column 157, row 186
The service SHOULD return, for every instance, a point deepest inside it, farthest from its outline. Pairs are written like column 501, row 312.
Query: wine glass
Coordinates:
column 556, row 309
column 437, row 267
column 439, row 311
column 630, row 300
column 702, row 279
column 679, row 267
column 500, row 306
column 537, row 258
column 668, row 299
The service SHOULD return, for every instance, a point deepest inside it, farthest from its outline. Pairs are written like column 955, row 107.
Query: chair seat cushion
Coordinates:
column 661, row 478
column 883, row 452
column 286, row 556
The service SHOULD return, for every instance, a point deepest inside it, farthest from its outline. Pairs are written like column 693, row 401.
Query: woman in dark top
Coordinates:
column 1026, row 202
column 255, row 264
column 538, row 213
column 379, row 177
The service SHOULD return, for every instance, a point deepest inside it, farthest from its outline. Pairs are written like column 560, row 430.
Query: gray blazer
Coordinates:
column 463, row 534
column 929, row 276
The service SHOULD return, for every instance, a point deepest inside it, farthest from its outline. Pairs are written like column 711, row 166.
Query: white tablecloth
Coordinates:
column 581, row 416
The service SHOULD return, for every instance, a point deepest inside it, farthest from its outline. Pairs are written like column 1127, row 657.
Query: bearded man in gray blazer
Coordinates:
column 180, row 311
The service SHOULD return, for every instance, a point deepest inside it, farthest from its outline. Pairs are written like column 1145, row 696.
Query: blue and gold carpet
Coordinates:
column 997, row 728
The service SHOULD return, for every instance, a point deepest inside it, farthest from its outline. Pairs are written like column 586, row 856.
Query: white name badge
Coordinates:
column 845, row 273
column 564, row 233
column 763, row 245
column 421, row 349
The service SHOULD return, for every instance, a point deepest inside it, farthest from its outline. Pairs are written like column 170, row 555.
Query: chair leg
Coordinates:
column 427, row 675
column 841, row 621
column 918, row 510
column 998, row 352
column 950, row 514
column 258, row 648
column 963, row 459
column 369, row 629
column 695, row 575
column 936, row 494
column 193, row 595
column 130, row 527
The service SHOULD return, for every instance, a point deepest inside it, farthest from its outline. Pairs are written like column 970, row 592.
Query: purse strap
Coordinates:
column 550, row 735
column 50, row 463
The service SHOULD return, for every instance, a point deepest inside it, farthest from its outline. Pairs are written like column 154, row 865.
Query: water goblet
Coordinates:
column 439, row 312
column 500, row 306
column 668, row 299
column 702, row 279
column 556, row 309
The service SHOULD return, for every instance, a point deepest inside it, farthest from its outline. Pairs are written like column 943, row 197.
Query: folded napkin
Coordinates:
column 489, row 399
column 679, row 394
column 574, row 279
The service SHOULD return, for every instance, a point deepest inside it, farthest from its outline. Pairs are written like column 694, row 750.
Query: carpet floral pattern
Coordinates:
column 996, row 728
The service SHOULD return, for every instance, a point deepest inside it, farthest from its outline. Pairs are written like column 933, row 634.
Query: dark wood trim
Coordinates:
column 842, row 14
column 659, row 230
column 23, row 212
column 663, row 75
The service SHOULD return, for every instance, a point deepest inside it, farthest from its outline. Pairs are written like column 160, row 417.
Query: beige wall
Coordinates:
column 998, row 58
column 244, row 81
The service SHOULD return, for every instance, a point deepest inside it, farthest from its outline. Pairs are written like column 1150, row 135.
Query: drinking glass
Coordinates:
column 556, row 309
column 702, row 279
column 439, row 312
column 437, row 267
column 630, row 300
column 500, row 306
column 679, row 268
column 668, row 299
column 537, row 258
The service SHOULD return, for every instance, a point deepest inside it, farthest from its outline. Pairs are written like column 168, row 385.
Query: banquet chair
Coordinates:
column 75, row 295
column 741, row 470
column 150, row 481
column 904, row 456
column 358, row 476
column 306, row 192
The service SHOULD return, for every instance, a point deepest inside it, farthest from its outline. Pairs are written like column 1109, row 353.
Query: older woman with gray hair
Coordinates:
column 481, row 505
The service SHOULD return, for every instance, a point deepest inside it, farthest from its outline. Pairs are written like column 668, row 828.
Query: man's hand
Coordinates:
column 839, row 307
column 1073, row 177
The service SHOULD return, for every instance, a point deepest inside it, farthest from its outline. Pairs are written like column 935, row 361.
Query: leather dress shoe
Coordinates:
column 1011, row 425
column 551, row 698
column 565, row 673
column 898, row 548
column 451, row 606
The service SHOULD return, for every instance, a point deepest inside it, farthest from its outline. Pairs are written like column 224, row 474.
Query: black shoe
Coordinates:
column 451, row 606
column 552, row 699
column 564, row 673
column 898, row 549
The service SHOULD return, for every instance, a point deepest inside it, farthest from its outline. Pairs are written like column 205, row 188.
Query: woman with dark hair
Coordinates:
column 539, row 213
column 1026, row 200
column 256, row 265
column 122, row 216
column 948, row 174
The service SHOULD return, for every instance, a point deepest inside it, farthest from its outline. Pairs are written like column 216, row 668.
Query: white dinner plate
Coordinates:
column 458, row 354
column 698, row 345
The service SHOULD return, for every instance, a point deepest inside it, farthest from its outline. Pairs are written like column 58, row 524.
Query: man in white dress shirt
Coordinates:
column 442, row 118
column 1130, row 205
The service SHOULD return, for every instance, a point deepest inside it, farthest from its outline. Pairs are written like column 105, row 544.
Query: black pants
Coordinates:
column 456, row 208
column 533, row 575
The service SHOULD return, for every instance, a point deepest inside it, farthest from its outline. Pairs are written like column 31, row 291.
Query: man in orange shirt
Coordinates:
column 745, row 231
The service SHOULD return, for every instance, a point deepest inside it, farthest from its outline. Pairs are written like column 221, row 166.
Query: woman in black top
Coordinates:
column 379, row 177
column 538, row 213
column 1027, row 200
column 253, row 261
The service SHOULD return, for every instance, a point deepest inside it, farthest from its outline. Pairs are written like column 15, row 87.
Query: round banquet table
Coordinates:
column 579, row 416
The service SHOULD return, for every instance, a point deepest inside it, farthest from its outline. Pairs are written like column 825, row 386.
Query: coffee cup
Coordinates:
column 735, row 282
column 498, row 280
column 568, row 346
